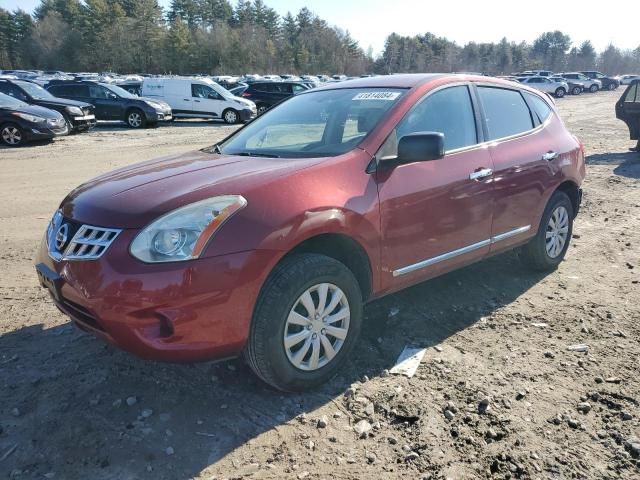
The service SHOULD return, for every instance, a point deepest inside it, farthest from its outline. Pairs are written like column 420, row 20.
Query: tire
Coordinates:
column 612, row 87
column 230, row 116
column 539, row 253
column 281, row 300
column 560, row 92
column 135, row 118
column 12, row 135
column 261, row 108
column 576, row 91
column 593, row 88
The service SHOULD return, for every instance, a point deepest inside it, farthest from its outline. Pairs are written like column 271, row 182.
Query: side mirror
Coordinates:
column 420, row 147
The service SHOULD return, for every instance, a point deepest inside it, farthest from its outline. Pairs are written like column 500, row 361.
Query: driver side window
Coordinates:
column 448, row 111
column 203, row 91
column 96, row 91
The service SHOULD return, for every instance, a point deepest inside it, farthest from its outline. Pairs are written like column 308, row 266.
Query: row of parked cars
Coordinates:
column 29, row 111
column 574, row 83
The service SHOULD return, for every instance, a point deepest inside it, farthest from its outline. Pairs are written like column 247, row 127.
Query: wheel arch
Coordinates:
column 344, row 249
column 573, row 192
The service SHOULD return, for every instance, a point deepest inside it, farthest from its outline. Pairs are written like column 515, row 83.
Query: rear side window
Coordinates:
column 632, row 94
column 540, row 108
column 505, row 111
column 68, row 90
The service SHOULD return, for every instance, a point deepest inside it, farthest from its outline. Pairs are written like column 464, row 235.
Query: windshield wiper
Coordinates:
column 255, row 154
column 216, row 149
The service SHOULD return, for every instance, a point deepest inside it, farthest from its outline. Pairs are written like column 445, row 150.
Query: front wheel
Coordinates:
column 305, row 323
column 135, row 118
column 560, row 92
column 12, row 135
column 547, row 249
column 230, row 116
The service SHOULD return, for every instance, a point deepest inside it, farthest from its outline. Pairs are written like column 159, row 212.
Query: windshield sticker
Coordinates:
column 377, row 96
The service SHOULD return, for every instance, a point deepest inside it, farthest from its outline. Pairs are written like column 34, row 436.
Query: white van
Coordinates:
column 199, row 98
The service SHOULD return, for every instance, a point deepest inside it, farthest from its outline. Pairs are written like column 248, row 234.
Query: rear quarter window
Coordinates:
column 540, row 108
column 505, row 111
column 632, row 94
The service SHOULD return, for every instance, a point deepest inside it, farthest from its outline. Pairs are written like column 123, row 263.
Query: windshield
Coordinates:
column 9, row 102
column 315, row 124
column 121, row 92
column 35, row 91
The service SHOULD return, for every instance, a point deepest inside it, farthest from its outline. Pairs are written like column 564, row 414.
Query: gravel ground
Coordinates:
column 499, row 393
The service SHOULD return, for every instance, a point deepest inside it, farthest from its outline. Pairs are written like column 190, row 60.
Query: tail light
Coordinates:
column 246, row 94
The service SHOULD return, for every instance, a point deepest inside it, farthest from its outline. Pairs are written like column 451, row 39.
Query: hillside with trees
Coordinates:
column 215, row 37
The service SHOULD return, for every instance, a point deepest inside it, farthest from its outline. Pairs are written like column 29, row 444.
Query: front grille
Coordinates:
column 87, row 243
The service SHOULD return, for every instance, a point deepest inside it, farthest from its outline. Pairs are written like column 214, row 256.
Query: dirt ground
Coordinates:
column 521, row 405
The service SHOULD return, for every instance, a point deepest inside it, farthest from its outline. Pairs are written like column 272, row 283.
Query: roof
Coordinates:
column 405, row 80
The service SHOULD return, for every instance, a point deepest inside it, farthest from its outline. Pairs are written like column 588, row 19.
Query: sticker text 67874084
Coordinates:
column 377, row 96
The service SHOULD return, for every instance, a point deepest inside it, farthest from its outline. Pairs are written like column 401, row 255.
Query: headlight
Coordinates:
column 184, row 233
column 29, row 118
column 157, row 106
column 74, row 110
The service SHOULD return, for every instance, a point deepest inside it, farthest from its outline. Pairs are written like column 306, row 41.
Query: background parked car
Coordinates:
column 544, row 84
column 114, row 103
column 590, row 84
column 627, row 79
column 239, row 89
column 78, row 115
column 628, row 109
column 608, row 83
column 575, row 87
column 199, row 98
column 21, row 122
column 267, row 94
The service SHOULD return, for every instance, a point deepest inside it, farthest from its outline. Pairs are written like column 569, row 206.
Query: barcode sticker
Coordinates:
column 377, row 96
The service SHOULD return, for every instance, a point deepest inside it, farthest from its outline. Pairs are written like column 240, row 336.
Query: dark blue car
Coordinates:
column 21, row 122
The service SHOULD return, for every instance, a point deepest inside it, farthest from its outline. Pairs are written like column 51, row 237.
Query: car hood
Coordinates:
column 134, row 196
column 62, row 102
column 35, row 110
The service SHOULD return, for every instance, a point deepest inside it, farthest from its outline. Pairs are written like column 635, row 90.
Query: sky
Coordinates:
column 370, row 21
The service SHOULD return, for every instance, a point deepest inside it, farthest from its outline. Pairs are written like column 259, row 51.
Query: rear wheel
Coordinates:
column 305, row 322
column 576, row 90
column 230, row 116
column 262, row 108
column 612, row 86
column 547, row 249
column 593, row 88
column 135, row 118
column 560, row 92
column 12, row 135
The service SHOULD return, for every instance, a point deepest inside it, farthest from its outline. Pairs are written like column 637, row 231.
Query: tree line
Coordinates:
column 218, row 37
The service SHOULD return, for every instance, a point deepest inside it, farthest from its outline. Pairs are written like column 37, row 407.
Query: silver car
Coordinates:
column 590, row 84
column 544, row 84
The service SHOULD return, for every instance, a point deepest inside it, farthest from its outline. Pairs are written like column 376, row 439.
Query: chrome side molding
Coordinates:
column 460, row 251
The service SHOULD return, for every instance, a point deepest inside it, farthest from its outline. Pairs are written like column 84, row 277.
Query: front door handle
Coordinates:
column 550, row 155
column 197, row 101
column 482, row 173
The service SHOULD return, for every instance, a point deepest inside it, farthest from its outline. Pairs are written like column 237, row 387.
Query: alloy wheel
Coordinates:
column 261, row 109
column 557, row 232
column 11, row 135
column 135, row 119
column 317, row 327
column 230, row 117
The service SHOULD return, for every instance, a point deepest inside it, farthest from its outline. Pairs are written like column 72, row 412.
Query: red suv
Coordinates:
column 269, row 243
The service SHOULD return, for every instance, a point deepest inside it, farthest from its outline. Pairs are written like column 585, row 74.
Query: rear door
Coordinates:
column 628, row 109
column 519, row 144
column 436, row 215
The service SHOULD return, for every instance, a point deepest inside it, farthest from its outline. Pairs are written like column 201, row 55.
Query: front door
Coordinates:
column 108, row 104
column 206, row 100
column 436, row 215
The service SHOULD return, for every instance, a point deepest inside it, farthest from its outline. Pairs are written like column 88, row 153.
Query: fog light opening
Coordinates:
column 166, row 326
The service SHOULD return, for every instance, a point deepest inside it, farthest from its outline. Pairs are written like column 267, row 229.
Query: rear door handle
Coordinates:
column 550, row 155
column 482, row 173
column 197, row 101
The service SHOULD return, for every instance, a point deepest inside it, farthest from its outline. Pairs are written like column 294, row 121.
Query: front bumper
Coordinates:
column 182, row 311
column 247, row 114
column 81, row 123
column 45, row 132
